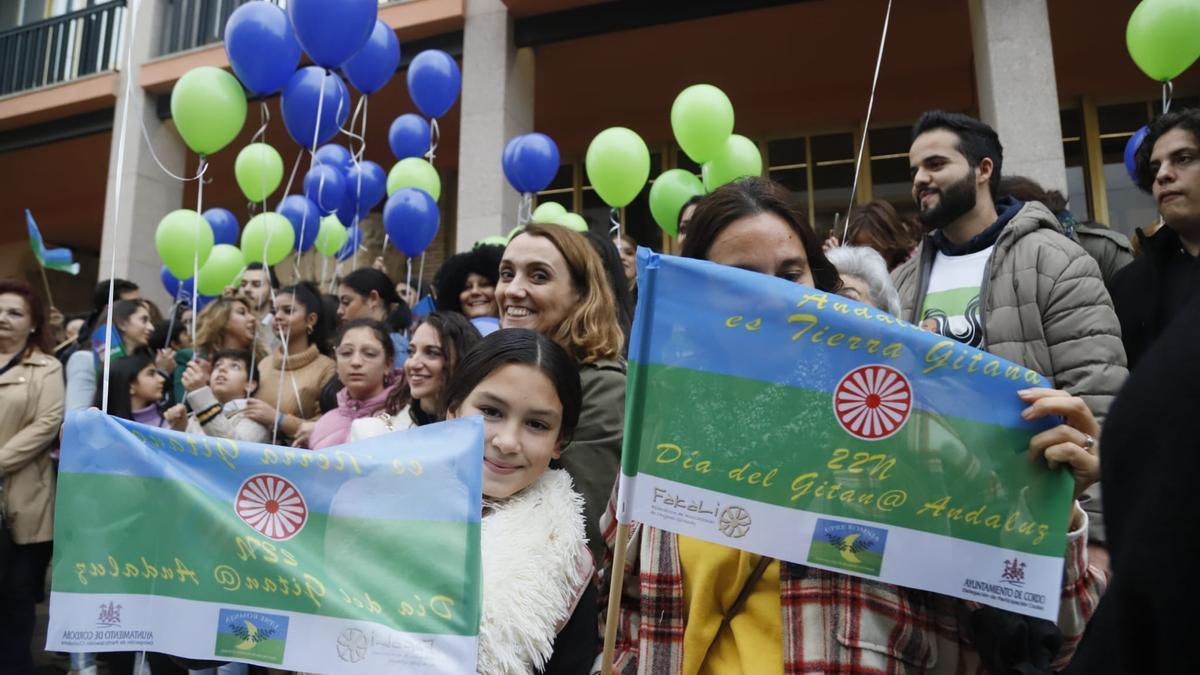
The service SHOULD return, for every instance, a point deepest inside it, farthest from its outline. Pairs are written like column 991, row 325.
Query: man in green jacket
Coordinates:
column 1001, row 276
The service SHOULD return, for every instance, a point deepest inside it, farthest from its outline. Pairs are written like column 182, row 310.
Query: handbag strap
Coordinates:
column 739, row 602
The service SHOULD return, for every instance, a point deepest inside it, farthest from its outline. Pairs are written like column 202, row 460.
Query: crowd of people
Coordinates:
column 533, row 337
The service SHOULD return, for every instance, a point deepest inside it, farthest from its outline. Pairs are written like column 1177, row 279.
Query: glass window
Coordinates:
column 1076, row 163
column 1128, row 207
column 788, row 166
column 833, row 177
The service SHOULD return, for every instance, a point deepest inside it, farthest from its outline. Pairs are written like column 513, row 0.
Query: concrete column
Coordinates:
column 147, row 194
column 1018, row 95
column 497, row 104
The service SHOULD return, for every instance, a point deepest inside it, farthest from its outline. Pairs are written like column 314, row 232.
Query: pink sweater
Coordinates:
column 334, row 426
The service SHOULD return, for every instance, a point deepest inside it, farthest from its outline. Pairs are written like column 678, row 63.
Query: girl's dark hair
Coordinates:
column 525, row 347
column 122, row 373
column 747, row 197
column 159, row 338
column 122, row 310
column 366, row 279
column 378, row 328
column 41, row 337
column 307, row 294
column 611, row 257
column 458, row 337
column 451, row 277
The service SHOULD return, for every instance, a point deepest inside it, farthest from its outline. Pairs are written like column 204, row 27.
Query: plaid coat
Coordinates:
column 832, row 623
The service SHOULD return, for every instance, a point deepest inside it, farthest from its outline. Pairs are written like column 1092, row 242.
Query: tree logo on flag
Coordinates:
column 271, row 505
column 872, row 402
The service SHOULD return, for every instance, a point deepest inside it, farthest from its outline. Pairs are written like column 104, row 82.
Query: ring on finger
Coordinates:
column 1088, row 442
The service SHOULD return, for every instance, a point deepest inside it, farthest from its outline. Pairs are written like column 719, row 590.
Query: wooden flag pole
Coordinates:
column 46, row 283
column 614, row 598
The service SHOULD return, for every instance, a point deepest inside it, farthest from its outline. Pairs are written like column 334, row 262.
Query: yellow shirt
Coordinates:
column 713, row 576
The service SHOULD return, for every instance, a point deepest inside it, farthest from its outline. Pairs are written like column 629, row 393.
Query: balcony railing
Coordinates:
column 188, row 24
column 61, row 48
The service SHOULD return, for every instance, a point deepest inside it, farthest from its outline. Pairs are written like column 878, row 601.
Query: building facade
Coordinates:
column 1053, row 77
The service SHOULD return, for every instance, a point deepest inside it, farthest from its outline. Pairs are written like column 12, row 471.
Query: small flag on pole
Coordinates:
column 60, row 259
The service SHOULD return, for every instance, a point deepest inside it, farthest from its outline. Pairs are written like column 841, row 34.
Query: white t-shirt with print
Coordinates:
column 951, row 305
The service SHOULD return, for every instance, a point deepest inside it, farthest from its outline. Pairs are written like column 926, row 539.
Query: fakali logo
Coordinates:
column 110, row 616
column 352, row 645
column 1014, row 572
column 872, row 402
column 734, row 522
column 272, row 505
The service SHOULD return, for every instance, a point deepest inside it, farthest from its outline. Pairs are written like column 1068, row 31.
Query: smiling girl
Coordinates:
column 539, row 605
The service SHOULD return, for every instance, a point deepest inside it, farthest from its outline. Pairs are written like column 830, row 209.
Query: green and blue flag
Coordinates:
column 790, row 422
column 360, row 558
column 61, row 259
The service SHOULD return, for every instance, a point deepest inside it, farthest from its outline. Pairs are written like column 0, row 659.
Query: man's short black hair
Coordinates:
column 270, row 272
column 236, row 355
column 976, row 140
column 100, row 295
column 1187, row 118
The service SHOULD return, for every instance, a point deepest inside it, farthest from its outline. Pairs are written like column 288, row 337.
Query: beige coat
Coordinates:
column 31, row 413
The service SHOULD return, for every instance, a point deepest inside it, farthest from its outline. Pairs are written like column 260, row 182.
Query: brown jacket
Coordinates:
column 306, row 373
column 31, row 413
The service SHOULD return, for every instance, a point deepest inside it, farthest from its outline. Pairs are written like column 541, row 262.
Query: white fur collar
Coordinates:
column 535, row 566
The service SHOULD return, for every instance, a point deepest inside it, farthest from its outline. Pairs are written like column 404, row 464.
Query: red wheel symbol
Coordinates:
column 272, row 506
column 872, row 402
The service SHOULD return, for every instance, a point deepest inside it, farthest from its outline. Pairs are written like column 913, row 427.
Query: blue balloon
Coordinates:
column 536, row 161
column 376, row 62
column 508, row 161
column 332, row 32
column 336, row 156
column 347, row 213
column 434, row 81
column 301, row 96
column 325, row 186
column 409, row 136
column 353, row 241
column 224, row 226
column 173, row 286
column 202, row 301
column 261, row 46
column 1131, row 148
column 305, row 218
column 373, row 187
column 411, row 220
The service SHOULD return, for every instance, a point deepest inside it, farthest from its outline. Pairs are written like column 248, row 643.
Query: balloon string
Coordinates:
column 614, row 217
column 348, row 130
column 264, row 117
column 112, row 261
column 317, row 126
column 1167, row 92
column 303, row 221
column 435, row 134
column 525, row 209
column 196, row 247
column 408, row 280
column 862, row 142
column 154, row 156
column 420, row 276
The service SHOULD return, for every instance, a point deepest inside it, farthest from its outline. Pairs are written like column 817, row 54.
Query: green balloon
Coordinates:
column 702, row 118
column 573, row 221
column 494, row 240
column 1163, row 37
column 209, row 108
column 618, row 164
column 414, row 172
column 668, row 195
column 332, row 236
column 267, row 239
column 259, row 170
column 548, row 212
column 222, row 268
column 183, row 241
column 738, row 158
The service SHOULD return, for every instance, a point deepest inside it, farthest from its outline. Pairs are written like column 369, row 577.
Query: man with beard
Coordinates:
column 1155, row 287
column 1001, row 276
